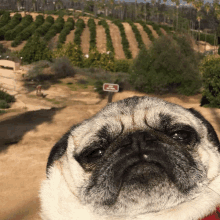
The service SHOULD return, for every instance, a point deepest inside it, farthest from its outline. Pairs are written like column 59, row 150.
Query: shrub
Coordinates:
column 155, row 27
column 43, row 29
column 137, row 34
column 122, row 65
column 25, row 22
column 71, row 51
column 54, row 29
column 5, row 18
column 62, row 67
column 3, row 104
column 109, row 45
column 92, row 29
column 6, row 97
column 2, row 49
column 210, row 69
column 69, row 25
column 35, row 49
column 147, row 30
column 168, row 66
column 28, row 31
column 124, row 39
column 80, row 25
column 13, row 23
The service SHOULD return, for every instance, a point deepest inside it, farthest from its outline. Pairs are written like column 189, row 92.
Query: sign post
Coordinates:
column 110, row 88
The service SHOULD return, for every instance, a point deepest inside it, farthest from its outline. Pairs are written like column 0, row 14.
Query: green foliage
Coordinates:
column 210, row 69
column 6, row 97
column 69, row 25
column 147, row 30
column 55, row 28
column 62, row 67
column 168, row 66
column 3, row 104
column 2, row 49
column 124, row 40
column 80, row 25
column 72, row 52
column 35, row 49
column 109, row 45
column 13, row 23
column 137, row 34
column 25, row 22
column 166, row 28
column 28, row 31
column 155, row 27
column 122, row 65
column 5, row 18
column 210, row 38
column 92, row 29
column 43, row 29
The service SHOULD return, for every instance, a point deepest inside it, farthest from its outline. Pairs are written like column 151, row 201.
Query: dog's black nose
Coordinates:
column 141, row 141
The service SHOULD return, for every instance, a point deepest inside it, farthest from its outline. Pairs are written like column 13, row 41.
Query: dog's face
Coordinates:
column 139, row 155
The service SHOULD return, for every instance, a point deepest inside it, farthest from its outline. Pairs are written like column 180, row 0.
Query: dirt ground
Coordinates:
column 133, row 44
column 153, row 31
column 100, row 38
column 35, row 124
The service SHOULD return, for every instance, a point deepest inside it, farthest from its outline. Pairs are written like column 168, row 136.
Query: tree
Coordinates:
column 207, row 9
column 217, row 14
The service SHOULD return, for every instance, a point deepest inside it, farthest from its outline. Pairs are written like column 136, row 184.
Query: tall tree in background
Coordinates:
column 197, row 4
column 217, row 14
column 177, row 6
column 207, row 8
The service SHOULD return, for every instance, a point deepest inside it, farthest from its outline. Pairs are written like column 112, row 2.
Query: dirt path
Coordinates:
column 133, row 44
column 163, row 31
column 116, row 41
column 85, row 38
column 70, row 37
column 100, row 38
column 7, row 44
column 144, row 35
column 153, row 31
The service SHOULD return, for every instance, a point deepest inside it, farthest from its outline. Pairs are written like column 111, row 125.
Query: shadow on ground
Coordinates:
column 13, row 129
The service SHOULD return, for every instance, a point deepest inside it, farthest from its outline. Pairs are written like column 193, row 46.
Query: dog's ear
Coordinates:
column 212, row 136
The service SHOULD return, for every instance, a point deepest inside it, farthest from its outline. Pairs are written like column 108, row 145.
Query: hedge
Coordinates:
column 54, row 29
column 13, row 23
column 124, row 39
column 69, row 25
column 137, row 34
column 28, row 31
column 92, row 29
column 147, row 30
column 80, row 25
column 5, row 18
column 43, row 29
column 155, row 27
column 109, row 45
column 25, row 22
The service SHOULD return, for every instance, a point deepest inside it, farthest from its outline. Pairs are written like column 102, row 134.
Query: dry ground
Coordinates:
column 27, row 137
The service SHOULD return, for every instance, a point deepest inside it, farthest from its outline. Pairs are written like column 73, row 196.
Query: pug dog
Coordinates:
column 139, row 158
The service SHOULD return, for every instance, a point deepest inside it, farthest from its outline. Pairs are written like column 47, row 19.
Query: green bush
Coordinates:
column 69, row 25
column 155, row 27
column 2, row 49
column 71, row 51
column 147, row 30
column 109, row 45
column 122, row 65
column 80, row 25
column 43, row 29
column 6, row 97
column 168, row 66
column 35, row 49
column 137, row 34
column 62, row 67
column 13, row 23
column 5, row 18
column 28, row 31
column 3, row 104
column 54, row 29
column 25, row 22
column 92, row 29
column 210, row 69
column 124, row 40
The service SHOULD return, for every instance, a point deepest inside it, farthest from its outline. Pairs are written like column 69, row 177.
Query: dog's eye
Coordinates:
column 180, row 135
column 96, row 154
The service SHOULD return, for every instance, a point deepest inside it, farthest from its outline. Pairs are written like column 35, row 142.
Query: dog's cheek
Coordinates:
column 210, row 158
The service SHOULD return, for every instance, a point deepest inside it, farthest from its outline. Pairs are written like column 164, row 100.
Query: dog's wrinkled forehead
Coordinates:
column 130, row 115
